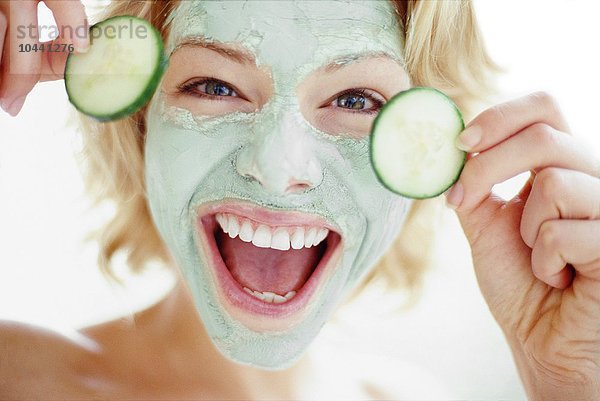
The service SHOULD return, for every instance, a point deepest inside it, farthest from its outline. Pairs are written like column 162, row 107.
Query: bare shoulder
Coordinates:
column 35, row 360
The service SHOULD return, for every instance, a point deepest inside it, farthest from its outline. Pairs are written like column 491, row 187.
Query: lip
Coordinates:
column 265, row 216
column 243, row 306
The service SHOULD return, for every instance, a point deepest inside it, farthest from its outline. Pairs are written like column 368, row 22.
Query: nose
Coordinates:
column 281, row 157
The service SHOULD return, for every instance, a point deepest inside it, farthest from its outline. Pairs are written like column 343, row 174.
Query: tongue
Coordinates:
column 266, row 269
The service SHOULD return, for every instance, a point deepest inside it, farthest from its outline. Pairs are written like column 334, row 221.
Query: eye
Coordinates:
column 210, row 88
column 352, row 101
column 217, row 89
column 359, row 101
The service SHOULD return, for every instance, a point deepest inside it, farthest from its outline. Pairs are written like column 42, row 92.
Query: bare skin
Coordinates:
column 163, row 352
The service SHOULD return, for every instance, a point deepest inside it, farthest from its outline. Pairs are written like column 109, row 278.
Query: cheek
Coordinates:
column 384, row 211
column 383, row 227
column 377, row 213
column 179, row 160
column 386, row 216
column 361, row 178
column 336, row 121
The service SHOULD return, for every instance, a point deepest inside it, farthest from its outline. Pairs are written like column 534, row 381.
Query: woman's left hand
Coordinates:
column 537, row 256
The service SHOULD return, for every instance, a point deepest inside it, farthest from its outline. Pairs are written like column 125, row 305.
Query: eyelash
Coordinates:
column 363, row 92
column 189, row 88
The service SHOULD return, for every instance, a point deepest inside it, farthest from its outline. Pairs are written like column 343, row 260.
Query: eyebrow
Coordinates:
column 344, row 61
column 245, row 57
column 237, row 56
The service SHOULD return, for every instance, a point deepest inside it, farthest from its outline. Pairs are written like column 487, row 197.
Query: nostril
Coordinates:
column 298, row 186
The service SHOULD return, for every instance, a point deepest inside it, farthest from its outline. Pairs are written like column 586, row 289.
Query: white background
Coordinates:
column 48, row 276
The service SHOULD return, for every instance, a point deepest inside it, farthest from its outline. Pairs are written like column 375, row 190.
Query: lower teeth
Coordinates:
column 271, row 297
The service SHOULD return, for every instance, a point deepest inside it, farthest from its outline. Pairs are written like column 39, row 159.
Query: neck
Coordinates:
column 177, row 320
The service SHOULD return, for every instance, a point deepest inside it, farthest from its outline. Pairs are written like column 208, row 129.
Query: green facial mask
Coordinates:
column 192, row 160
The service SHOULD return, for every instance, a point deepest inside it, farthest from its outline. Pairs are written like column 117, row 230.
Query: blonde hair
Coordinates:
column 444, row 49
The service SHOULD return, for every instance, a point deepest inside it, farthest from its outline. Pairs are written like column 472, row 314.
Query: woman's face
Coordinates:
column 257, row 163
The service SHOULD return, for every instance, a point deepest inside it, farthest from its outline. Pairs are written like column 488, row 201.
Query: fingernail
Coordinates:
column 454, row 196
column 469, row 138
column 14, row 107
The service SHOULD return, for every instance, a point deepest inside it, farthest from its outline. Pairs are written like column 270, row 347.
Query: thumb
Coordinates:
column 500, row 256
column 498, row 251
column 474, row 220
column 53, row 62
column 469, row 219
column 477, row 218
column 73, row 36
column 54, row 59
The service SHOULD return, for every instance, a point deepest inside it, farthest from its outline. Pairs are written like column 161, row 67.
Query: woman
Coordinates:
column 253, row 150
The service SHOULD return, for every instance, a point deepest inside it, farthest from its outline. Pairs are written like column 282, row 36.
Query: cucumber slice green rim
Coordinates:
column 120, row 72
column 412, row 143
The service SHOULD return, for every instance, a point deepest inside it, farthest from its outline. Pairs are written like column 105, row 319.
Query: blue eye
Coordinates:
column 217, row 89
column 363, row 101
column 352, row 101
column 208, row 87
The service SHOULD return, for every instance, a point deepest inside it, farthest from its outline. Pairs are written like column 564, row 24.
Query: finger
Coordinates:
column 3, row 26
column 21, row 70
column 559, row 194
column 72, row 22
column 500, row 122
column 537, row 146
column 53, row 60
column 562, row 242
column 73, row 26
column 526, row 189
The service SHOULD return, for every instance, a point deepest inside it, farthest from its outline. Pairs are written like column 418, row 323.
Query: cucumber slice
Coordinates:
column 412, row 143
column 121, row 70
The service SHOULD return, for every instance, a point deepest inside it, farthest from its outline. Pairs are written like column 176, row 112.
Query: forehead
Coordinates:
column 293, row 33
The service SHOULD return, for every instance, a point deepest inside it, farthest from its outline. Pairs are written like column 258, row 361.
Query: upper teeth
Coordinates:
column 264, row 236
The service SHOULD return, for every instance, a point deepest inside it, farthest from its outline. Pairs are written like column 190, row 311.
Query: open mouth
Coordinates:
column 266, row 262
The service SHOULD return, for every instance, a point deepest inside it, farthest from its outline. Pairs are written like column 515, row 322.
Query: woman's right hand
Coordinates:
column 19, row 70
